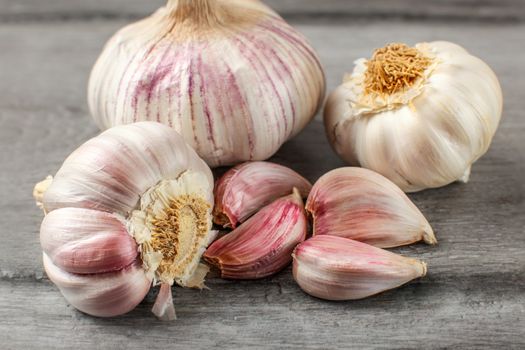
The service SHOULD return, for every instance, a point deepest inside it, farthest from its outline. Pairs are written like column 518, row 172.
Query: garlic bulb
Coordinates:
column 262, row 245
column 336, row 268
column 420, row 116
column 248, row 187
column 231, row 76
column 362, row 205
column 129, row 207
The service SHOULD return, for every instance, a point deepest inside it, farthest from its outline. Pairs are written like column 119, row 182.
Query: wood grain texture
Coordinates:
column 494, row 10
column 473, row 296
column 274, row 314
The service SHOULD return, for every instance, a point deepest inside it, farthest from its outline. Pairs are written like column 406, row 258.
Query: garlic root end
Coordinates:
column 428, row 236
column 424, row 265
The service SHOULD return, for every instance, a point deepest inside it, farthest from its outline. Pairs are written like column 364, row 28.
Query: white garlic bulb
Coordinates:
column 129, row 207
column 420, row 116
column 231, row 76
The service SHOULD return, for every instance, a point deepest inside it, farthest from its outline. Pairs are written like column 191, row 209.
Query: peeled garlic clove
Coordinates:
column 336, row 268
column 262, row 245
column 87, row 241
column 362, row 205
column 105, row 294
column 246, row 188
column 420, row 116
column 232, row 77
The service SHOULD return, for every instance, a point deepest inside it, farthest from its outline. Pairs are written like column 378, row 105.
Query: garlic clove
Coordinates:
column 103, row 295
column 336, row 268
column 262, row 245
column 246, row 188
column 362, row 205
column 163, row 307
column 86, row 241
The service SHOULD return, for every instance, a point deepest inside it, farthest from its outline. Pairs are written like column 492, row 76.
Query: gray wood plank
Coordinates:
column 472, row 297
column 275, row 313
column 38, row 10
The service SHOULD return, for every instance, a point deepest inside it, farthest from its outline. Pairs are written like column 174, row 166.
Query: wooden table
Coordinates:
column 473, row 296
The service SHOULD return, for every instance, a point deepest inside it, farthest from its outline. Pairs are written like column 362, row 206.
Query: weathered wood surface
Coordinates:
column 471, row 10
column 473, row 297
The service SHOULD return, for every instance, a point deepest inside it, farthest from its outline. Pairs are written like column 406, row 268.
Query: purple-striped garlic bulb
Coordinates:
column 231, row 76
column 128, row 208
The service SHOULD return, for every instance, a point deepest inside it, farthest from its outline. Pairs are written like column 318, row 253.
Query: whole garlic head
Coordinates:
column 231, row 76
column 129, row 207
column 419, row 116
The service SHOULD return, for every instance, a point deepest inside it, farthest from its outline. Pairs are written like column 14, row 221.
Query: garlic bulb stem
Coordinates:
column 199, row 11
column 231, row 76
column 163, row 307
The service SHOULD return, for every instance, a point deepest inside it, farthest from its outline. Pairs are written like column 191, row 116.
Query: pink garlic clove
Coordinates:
column 336, row 268
column 360, row 204
column 86, row 241
column 103, row 295
column 246, row 188
column 262, row 245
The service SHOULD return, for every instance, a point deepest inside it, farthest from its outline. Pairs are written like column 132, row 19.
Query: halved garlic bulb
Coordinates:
column 129, row 207
column 231, row 76
column 421, row 116
column 360, row 204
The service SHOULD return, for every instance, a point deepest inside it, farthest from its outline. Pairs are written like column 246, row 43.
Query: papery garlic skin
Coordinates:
column 427, row 135
column 129, row 205
column 111, row 171
column 247, row 187
column 360, row 204
column 336, row 268
column 262, row 245
column 105, row 294
column 232, row 77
